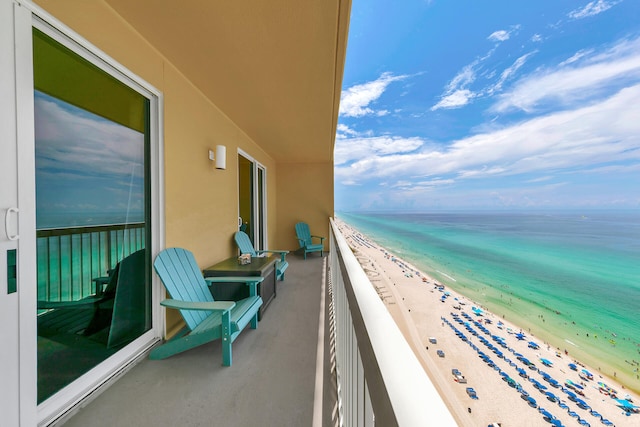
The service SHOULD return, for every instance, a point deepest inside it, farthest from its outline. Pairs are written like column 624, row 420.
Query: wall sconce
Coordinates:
column 220, row 156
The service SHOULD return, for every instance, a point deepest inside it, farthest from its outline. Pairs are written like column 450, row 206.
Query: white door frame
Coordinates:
column 18, row 356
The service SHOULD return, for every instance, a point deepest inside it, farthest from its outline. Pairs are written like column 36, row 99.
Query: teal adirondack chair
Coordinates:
column 306, row 241
column 206, row 320
column 246, row 247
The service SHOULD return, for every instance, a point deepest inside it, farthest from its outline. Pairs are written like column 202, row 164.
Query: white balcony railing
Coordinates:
column 380, row 380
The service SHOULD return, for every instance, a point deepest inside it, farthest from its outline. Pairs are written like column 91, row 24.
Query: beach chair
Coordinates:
column 206, row 320
column 305, row 239
column 246, row 247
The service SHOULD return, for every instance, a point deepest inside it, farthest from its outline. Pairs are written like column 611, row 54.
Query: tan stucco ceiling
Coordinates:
column 273, row 67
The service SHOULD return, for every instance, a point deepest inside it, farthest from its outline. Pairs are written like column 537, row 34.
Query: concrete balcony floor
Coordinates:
column 272, row 381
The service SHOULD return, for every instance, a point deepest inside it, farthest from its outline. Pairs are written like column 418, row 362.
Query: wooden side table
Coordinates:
column 260, row 266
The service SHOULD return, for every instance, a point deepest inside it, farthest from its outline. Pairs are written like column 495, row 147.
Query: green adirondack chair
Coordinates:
column 246, row 247
column 305, row 238
column 206, row 320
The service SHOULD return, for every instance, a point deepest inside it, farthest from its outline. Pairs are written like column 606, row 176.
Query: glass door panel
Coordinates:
column 246, row 221
column 261, row 208
column 252, row 200
column 92, row 145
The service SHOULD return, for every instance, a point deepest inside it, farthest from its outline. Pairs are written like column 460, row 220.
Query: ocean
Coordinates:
column 573, row 278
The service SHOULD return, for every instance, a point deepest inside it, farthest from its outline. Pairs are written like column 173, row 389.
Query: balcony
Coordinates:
column 285, row 373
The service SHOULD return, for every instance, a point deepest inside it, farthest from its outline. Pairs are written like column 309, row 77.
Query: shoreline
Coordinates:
column 421, row 313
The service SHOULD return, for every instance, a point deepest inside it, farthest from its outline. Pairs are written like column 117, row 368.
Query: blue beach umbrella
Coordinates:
column 625, row 404
column 547, row 414
column 546, row 362
column 587, row 373
column 596, row 414
column 582, row 404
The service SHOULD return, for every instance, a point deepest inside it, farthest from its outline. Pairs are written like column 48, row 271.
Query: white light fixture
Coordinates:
column 220, row 156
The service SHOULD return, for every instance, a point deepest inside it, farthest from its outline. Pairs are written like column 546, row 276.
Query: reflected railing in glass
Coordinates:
column 74, row 263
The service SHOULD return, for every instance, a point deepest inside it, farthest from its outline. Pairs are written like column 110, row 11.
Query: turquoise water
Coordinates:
column 580, row 272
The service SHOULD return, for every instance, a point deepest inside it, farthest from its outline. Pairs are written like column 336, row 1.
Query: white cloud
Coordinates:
column 597, row 72
column 503, row 35
column 344, row 130
column 499, row 36
column 536, row 38
column 593, row 8
column 423, row 185
column 456, row 99
column 576, row 57
column 456, row 93
column 355, row 100
column 606, row 133
column 348, row 150
column 509, row 72
column 463, row 78
column 540, row 179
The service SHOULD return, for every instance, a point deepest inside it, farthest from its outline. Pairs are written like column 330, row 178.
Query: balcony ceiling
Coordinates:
column 273, row 67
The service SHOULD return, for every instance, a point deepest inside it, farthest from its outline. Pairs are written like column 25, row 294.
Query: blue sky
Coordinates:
column 89, row 170
column 502, row 104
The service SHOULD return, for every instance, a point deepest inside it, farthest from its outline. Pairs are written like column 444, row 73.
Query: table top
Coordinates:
column 229, row 265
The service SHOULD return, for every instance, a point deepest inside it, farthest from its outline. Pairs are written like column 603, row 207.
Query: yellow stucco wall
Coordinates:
column 305, row 193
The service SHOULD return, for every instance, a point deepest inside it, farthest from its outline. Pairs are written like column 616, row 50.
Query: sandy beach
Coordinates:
column 435, row 318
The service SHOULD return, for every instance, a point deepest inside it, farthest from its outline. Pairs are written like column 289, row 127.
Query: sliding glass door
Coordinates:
column 252, row 200
column 93, row 216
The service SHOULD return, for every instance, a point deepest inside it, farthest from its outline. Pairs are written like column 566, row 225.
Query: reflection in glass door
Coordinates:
column 246, row 221
column 252, row 200
column 92, row 143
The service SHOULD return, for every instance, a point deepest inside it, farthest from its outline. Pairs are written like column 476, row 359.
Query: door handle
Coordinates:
column 7, row 220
